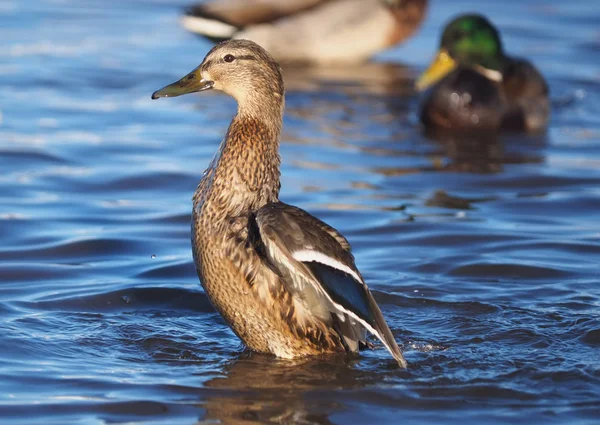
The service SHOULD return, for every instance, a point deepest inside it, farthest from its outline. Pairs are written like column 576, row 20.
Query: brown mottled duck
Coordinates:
column 310, row 31
column 283, row 280
column 477, row 87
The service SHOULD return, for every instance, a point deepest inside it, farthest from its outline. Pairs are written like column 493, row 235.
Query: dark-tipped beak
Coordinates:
column 191, row 83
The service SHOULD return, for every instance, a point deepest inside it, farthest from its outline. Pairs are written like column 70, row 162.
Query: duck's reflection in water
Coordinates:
column 375, row 78
column 484, row 153
column 259, row 389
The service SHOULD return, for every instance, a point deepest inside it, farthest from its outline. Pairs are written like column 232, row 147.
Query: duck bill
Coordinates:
column 438, row 69
column 191, row 83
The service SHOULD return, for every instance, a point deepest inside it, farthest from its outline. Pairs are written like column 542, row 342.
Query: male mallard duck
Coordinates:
column 481, row 88
column 313, row 31
column 283, row 280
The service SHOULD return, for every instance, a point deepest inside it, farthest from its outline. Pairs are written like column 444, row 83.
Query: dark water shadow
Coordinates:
column 486, row 152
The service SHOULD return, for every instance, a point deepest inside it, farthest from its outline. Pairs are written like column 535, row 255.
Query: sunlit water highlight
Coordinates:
column 483, row 255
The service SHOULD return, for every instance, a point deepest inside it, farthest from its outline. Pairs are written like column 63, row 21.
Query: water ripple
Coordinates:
column 482, row 253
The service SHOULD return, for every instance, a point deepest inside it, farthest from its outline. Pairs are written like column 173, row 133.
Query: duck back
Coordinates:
column 526, row 93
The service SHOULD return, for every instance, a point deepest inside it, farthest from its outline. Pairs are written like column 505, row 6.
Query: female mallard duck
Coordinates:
column 313, row 31
column 481, row 88
column 283, row 280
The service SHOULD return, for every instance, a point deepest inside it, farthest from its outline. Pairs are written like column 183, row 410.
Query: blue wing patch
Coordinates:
column 343, row 289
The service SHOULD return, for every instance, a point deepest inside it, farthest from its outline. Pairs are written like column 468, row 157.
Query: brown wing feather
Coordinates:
column 324, row 288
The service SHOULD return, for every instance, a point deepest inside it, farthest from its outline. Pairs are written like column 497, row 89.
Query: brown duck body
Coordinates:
column 283, row 280
column 260, row 310
column 310, row 31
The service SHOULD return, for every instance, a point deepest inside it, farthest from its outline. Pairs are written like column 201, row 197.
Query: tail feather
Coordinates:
column 384, row 333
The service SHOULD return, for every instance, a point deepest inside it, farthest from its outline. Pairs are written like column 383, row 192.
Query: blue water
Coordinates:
column 484, row 256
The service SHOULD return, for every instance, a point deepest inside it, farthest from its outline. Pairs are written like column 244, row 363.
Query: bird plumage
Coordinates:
column 477, row 87
column 310, row 31
column 283, row 280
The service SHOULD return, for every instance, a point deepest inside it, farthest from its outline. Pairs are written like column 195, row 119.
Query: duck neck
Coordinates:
column 248, row 168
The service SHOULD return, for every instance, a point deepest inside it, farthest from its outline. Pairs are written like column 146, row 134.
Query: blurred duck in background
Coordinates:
column 310, row 31
column 477, row 87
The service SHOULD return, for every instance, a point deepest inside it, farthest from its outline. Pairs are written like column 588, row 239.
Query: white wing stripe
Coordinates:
column 306, row 255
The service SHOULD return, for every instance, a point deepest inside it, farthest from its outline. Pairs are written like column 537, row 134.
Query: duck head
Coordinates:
column 240, row 68
column 468, row 40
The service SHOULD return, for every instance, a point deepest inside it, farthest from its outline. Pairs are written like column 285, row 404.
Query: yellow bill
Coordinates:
column 439, row 68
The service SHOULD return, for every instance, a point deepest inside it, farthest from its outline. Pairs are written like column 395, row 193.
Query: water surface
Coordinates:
column 482, row 254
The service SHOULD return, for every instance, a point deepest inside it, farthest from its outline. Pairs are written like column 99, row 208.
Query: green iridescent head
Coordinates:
column 469, row 40
column 473, row 40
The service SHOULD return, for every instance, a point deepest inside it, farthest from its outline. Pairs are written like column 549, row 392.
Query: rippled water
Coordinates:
column 484, row 255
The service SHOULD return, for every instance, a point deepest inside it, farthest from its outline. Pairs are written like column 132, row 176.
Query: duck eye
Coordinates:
column 228, row 58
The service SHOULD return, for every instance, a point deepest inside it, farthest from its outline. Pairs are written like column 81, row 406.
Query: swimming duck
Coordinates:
column 310, row 31
column 283, row 280
column 478, row 87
